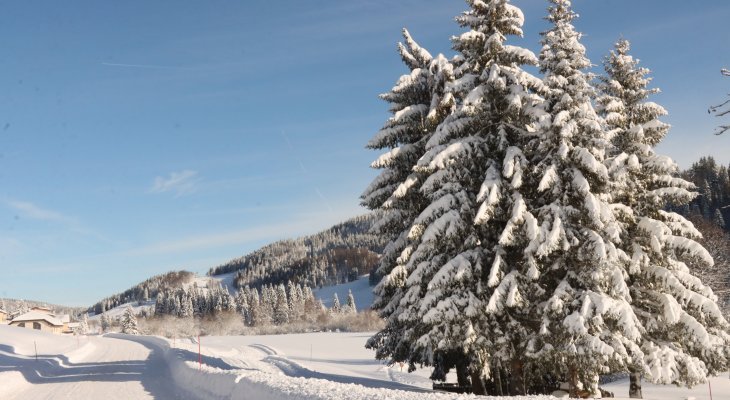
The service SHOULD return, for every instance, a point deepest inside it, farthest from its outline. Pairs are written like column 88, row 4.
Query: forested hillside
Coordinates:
column 717, row 276
column 143, row 291
column 336, row 255
column 713, row 187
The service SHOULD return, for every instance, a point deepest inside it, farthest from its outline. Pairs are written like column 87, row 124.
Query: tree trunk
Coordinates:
column 477, row 384
column 497, row 374
column 635, row 385
column 517, row 378
column 462, row 374
column 573, row 375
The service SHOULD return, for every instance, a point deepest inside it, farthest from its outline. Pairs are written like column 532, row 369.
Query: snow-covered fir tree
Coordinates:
column 242, row 308
column 419, row 102
column 281, row 308
column 84, row 324
column 129, row 322
column 254, row 307
column 186, row 305
column 295, row 297
column 587, row 324
column 336, row 306
column 684, row 336
column 106, row 322
column 21, row 307
column 473, row 169
column 350, row 306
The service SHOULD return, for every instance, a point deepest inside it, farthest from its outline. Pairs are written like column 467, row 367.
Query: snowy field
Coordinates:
column 302, row 366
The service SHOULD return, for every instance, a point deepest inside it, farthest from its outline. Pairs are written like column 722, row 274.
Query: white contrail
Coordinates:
column 321, row 196
column 140, row 66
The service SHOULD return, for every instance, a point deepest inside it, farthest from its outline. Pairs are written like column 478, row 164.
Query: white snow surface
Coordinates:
column 323, row 365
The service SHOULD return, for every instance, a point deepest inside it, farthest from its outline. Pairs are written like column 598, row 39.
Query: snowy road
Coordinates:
column 101, row 368
column 314, row 366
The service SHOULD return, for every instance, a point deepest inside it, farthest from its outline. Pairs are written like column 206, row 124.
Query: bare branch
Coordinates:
column 720, row 110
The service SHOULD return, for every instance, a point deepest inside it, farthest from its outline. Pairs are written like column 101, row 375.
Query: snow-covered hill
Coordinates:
column 116, row 312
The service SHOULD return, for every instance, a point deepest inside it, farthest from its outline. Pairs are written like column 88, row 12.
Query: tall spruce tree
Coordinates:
column 419, row 102
column 587, row 323
column 472, row 173
column 350, row 307
column 281, row 308
column 684, row 335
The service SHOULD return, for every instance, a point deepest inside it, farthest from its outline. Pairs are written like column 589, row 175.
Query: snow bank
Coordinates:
column 25, row 341
column 222, row 380
column 21, row 343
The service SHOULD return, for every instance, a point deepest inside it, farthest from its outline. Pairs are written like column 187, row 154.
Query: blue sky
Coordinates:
column 138, row 137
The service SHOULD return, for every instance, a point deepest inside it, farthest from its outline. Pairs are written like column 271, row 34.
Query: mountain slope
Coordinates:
column 337, row 255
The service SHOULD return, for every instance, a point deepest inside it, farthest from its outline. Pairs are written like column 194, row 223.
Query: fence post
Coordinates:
column 200, row 358
column 36, row 350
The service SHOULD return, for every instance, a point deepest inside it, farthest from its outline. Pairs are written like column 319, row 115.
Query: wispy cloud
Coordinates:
column 32, row 211
column 181, row 183
column 148, row 66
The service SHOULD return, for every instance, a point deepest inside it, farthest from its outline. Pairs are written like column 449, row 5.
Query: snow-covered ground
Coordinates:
column 304, row 366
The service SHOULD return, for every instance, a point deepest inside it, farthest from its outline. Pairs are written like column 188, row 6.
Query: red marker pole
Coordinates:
column 200, row 358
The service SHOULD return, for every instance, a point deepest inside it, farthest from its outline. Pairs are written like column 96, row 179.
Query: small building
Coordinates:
column 38, row 321
column 3, row 316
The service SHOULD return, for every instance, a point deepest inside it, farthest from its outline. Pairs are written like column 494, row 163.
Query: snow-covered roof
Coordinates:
column 37, row 316
column 3, row 311
column 65, row 318
column 42, row 309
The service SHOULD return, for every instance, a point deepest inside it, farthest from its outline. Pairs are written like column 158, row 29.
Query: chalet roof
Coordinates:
column 3, row 311
column 42, row 309
column 37, row 316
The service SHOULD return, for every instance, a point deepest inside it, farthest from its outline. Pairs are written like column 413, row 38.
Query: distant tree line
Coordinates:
column 713, row 187
column 270, row 305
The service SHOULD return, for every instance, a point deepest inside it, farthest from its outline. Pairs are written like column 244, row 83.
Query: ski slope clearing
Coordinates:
column 361, row 291
column 116, row 312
